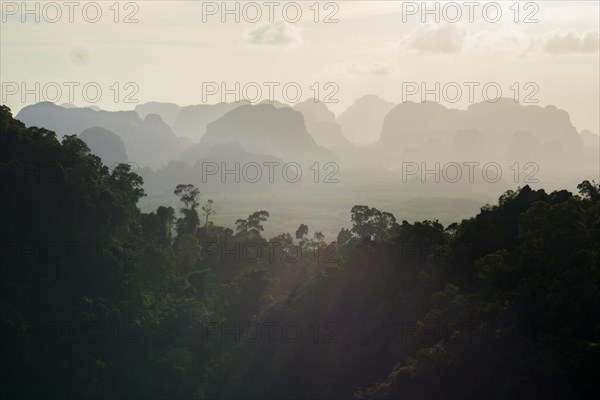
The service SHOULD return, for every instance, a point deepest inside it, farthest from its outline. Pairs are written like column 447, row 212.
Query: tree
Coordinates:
column 166, row 218
column 73, row 144
column 157, row 267
column 301, row 231
column 188, row 194
column 343, row 237
column 157, row 226
column 372, row 223
column 187, row 252
column 319, row 237
column 241, row 226
column 589, row 190
column 189, row 223
column 384, row 224
column 255, row 222
column 128, row 180
column 208, row 211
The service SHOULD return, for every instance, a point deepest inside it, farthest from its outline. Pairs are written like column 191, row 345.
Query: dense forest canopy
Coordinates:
column 100, row 300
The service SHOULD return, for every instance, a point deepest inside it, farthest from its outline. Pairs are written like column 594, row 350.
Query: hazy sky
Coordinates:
column 171, row 51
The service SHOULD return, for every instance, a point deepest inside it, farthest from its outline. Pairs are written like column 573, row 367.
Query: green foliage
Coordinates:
column 188, row 194
column 252, row 226
column 371, row 223
column 503, row 305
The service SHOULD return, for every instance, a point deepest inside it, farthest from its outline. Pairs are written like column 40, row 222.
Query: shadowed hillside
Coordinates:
column 102, row 300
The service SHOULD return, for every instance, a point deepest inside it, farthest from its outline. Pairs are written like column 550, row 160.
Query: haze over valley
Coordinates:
column 300, row 199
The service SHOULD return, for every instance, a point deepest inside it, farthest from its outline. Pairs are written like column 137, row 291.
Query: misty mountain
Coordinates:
column 210, row 178
column 69, row 105
column 494, row 306
column 233, row 152
column 275, row 103
column 168, row 111
column 589, row 138
column 148, row 142
column 524, row 144
column 191, row 121
column 105, row 144
column 321, row 124
column 262, row 129
column 362, row 121
column 483, row 130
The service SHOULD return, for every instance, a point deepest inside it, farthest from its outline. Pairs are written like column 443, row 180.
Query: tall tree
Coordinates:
column 207, row 210
column 188, row 194
column 301, row 231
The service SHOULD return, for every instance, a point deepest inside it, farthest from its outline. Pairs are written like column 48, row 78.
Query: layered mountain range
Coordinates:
column 370, row 132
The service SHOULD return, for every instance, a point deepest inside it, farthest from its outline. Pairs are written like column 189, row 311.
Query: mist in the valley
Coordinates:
column 300, row 200
column 305, row 165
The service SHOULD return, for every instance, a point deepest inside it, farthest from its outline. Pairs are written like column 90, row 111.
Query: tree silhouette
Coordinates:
column 514, row 316
column 371, row 223
column 589, row 190
column 255, row 220
column 166, row 217
column 301, row 231
column 241, row 226
column 188, row 194
column 207, row 210
column 318, row 236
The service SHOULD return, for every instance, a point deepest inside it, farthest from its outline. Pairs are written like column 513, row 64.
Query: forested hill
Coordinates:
column 100, row 300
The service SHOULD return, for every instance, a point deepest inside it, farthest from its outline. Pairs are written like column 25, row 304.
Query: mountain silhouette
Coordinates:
column 221, row 155
column 168, row 111
column 192, row 120
column 105, row 144
column 362, row 121
column 321, row 124
column 482, row 130
column 148, row 142
column 262, row 129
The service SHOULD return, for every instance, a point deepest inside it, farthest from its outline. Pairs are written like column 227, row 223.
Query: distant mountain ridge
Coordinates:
column 321, row 124
column 363, row 120
column 168, row 111
column 148, row 142
column 191, row 121
column 262, row 129
column 106, row 145
column 157, row 132
column 483, row 129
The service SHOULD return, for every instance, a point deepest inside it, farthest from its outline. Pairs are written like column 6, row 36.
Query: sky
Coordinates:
column 183, row 52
